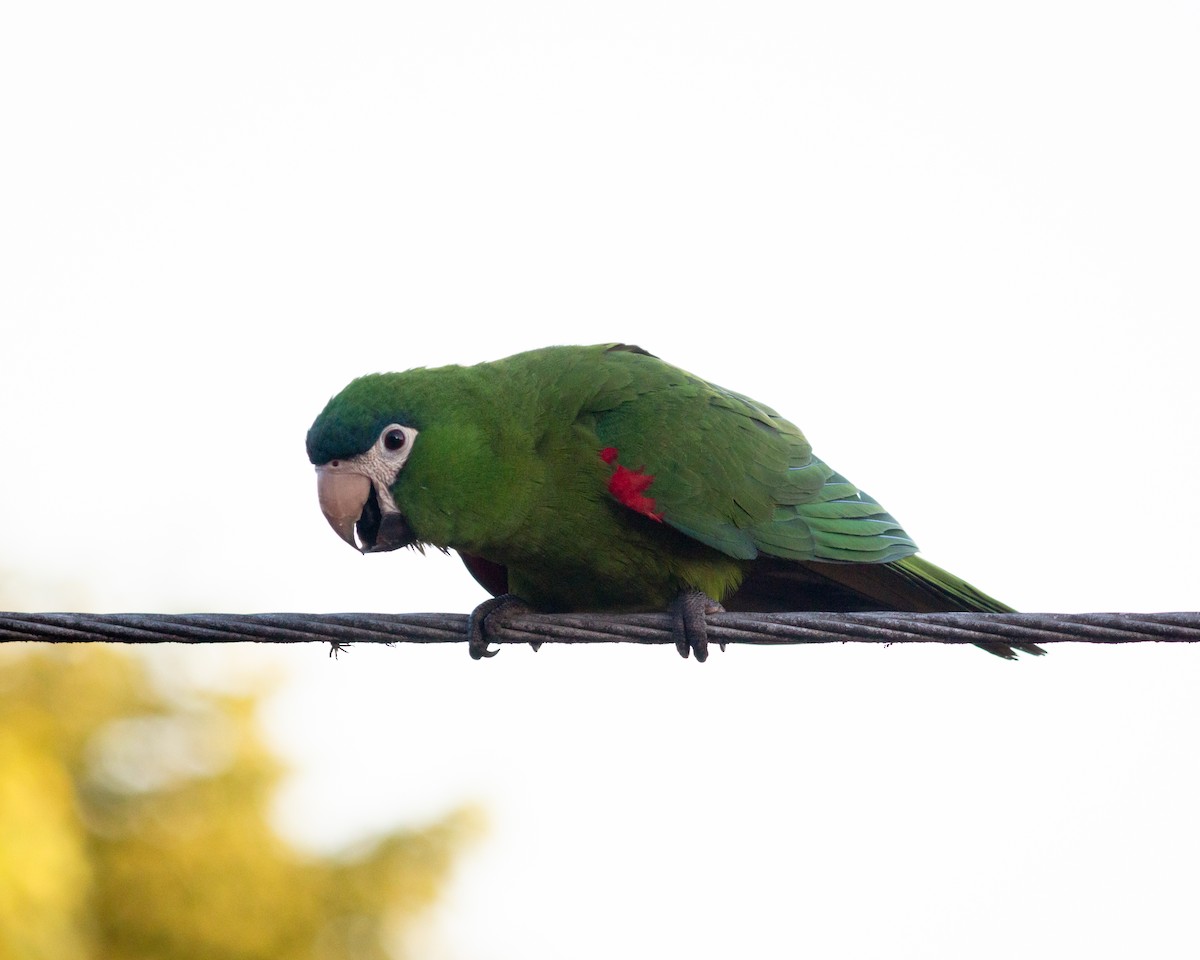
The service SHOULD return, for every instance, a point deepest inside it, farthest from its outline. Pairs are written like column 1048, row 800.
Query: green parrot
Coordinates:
column 600, row 478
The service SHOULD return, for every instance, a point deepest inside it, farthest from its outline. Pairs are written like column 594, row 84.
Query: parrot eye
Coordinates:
column 395, row 441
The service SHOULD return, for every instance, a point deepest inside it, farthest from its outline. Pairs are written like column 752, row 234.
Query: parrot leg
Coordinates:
column 495, row 610
column 690, row 628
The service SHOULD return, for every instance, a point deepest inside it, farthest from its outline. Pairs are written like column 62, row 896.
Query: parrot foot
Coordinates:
column 495, row 610
column 690, row 628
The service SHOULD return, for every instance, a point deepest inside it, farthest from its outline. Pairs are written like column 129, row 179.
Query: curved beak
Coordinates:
column 342, row 495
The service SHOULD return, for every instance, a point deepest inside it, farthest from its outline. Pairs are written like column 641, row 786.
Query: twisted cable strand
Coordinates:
column 765, row 628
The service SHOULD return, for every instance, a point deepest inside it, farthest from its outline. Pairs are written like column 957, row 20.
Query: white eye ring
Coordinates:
column 395, row 441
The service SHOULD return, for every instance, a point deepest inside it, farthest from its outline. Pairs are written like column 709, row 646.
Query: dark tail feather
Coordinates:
column 911, row 585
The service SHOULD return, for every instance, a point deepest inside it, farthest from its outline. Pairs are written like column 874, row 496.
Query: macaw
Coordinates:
column 600, row 478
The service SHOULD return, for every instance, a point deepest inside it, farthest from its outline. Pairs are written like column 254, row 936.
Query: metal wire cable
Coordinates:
column 340, row 629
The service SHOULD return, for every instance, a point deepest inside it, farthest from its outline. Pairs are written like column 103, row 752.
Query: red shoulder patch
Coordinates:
column 629, row 486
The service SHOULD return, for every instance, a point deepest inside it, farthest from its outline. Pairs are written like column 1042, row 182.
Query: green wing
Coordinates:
column 732, row 473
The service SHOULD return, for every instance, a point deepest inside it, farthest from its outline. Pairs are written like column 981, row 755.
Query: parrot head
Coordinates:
column 359, row 453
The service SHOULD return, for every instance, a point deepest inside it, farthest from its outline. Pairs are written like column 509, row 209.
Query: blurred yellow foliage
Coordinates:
column 133, row 826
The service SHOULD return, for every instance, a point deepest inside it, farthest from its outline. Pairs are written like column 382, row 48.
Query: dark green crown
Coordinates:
column 353, row 419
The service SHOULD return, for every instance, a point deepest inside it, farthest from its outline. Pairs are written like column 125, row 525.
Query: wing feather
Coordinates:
column 732, row 473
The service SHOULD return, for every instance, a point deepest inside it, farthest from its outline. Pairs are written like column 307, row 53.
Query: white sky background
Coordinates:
column 958, row 247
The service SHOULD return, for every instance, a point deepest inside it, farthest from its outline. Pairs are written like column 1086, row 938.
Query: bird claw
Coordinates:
column 501, row 607
column 690, row 627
